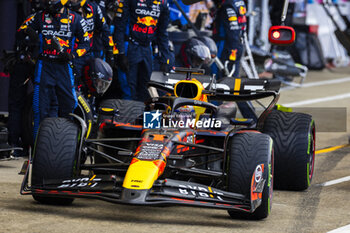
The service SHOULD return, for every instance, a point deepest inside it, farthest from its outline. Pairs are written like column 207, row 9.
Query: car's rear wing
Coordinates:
column 225, row 88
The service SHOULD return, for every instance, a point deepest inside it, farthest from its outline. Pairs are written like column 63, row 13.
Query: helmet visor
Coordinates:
column 102, row 85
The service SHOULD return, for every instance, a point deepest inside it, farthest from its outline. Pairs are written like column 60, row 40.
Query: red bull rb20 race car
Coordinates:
column 178, row 149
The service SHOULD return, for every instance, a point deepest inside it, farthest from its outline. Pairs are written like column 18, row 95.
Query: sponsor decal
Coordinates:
column 66, row 21
column 23, row 27
column 48, row 20
column 233, row 55
column 84, row 104
column 63, row 27
column 81, row 52
column 239, row 3
column 153, row 13
column 242, row 19
column 63, row 43
column 111, row 43
column 29, row 19
column 232, row 18
column 200, row 191
column 56, row 33
column 258, row 173
column 150, row 151
column 80, row 182
column 242, row 10
column 148, row 30
column 89, row 15
column 148, row 21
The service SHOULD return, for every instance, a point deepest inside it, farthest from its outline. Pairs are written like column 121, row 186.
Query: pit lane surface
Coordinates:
column 319, row 209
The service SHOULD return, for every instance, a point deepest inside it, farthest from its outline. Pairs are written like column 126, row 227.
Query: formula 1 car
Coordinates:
column 178, row 149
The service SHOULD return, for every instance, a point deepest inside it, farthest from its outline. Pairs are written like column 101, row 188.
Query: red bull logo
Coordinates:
column 81, row 52
column 148, row 21
column 242, row 10
column 48, row 41
column 148, row 30
column 111, row 43
column 63, row 43
column 233, row 55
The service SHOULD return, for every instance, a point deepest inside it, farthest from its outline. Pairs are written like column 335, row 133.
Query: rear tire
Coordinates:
column 246, row 152
column 294, row 147
column 128, row 110
column 55, row 155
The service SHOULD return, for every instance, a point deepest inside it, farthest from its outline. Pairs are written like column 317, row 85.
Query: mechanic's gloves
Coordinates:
column 33, row 36
column 164, row 68
column 110, row 58
column 122, row 62
column 66, row 56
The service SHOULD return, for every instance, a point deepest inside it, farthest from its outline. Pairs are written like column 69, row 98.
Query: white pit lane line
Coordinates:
column 319, row 83
column 337, row 181
column 318, row 100
column 344, row 229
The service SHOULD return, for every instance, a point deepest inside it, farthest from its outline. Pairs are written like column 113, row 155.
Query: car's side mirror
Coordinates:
column 281, row 35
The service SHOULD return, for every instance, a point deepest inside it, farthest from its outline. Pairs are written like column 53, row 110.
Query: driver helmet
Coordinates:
column 75, row 5
column 195, row 53
column 97, row 76
column 54, row 6
column 210, row 43
column 185, row 113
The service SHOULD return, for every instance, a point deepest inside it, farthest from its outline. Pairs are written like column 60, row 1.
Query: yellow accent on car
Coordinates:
column 107, row 109
column 190, row 82
column 89, row 129
column 141, row 175
column 241, row 119
column 283, row 109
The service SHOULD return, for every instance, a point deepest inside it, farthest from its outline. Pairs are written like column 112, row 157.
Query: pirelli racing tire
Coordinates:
column 246, row 152
column 55, row 155
column 294, row 148
column 127, row 111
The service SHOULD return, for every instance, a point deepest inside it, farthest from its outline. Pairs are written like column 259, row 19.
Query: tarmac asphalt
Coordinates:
column 323, row 207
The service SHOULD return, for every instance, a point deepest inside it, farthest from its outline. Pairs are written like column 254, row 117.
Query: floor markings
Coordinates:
column 344, row 229
column 320, row 83
column 333, row 182
column 330, row 149
column 318, row 100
